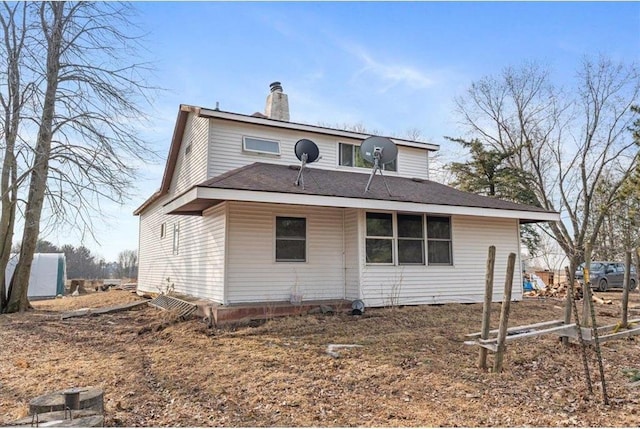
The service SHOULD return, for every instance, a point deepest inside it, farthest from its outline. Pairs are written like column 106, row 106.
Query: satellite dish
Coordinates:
column 378, row 151
column 380, row 148
column 307, row 152
column 306, row 146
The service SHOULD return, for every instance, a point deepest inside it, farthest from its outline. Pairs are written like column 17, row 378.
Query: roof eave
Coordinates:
column 172, row 158
column 184, row 203
column 220, row 114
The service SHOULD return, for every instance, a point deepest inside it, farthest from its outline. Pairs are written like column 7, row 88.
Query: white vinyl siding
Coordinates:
column 413, row 162
column 253, row 275
column 463, row 281
column 351, row 254
column 191, row 168
column 198, row 268
column 226, row 150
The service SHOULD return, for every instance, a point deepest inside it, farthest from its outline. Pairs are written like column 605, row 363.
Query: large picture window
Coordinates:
column 439, row 240
column 410, row 239
column 291, row 239
column 349, row 156
column 379, row 241
column 404, row 235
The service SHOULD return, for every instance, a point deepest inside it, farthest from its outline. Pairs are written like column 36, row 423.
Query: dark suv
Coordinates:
column 605, row 275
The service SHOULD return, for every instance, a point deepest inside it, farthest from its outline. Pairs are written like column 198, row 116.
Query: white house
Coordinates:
column 229, row 223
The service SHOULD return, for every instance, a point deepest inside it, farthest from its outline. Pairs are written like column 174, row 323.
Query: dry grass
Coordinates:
column 413, row 368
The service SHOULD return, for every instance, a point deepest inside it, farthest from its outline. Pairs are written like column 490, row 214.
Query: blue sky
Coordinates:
column 391, row 66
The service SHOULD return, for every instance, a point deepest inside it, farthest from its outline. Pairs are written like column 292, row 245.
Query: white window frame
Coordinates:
column 356, row 148
column 263, row 152
column 163, row 230
column 275, row 240
column 395, row 257
column 394, row 249
column 422, row 239
column 449, row 240
column 176, row 238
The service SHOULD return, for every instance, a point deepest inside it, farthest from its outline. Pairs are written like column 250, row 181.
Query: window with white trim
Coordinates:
column 439, row 240
column 291, row 239
column 400, row 239
column 163, row 229
column 410, row 239
column 349, row 156
column 379, row 238
column 259, row 145
column 176, row 237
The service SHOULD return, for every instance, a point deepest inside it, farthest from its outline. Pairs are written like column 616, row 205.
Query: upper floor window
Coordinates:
column 258, row 145
column 349, row 156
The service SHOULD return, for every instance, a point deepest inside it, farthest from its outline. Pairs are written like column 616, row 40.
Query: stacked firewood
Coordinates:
column 559, row 290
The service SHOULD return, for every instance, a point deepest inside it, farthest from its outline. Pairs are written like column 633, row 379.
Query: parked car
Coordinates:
column 605, row 275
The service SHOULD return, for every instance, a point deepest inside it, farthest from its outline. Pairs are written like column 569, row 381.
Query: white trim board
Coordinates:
column 361, row 203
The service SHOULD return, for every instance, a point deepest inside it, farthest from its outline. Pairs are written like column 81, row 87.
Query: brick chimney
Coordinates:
column 277, row 103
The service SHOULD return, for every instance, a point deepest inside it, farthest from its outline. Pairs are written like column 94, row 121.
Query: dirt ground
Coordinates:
column 412, row 369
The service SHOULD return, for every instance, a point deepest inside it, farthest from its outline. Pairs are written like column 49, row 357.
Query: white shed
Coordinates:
column 48, row 274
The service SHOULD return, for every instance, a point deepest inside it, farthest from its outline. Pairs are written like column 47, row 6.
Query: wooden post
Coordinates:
column 486, row 307
column 625, row 291
column 504, row 313
column 586, row 295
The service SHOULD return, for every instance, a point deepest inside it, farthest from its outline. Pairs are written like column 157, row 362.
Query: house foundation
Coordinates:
column 218, row 315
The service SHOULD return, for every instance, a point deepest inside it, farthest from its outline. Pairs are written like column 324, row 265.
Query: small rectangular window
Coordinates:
column 258, row 145
column 410, row 239
column 188, row 148
column 291, row 239
column 349, row 156
column 379, row 239
column 346, row 155
column 439, row 240
column 163, row 230
column 176, row 237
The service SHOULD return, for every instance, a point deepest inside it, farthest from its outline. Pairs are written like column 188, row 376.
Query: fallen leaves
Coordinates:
column 413, row 369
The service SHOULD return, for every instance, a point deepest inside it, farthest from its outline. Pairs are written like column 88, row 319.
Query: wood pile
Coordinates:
column 560, row 291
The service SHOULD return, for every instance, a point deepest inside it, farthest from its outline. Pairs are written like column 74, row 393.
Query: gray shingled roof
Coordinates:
column 281, row 178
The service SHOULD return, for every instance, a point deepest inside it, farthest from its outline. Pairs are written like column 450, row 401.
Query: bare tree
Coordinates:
column 12, row 99
column 88, row 97
column 128, row 263
column 566, row 141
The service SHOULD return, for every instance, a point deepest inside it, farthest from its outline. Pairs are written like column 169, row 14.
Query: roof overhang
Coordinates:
column 198, row 199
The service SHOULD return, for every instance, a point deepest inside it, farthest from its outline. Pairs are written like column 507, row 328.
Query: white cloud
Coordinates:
column 391, row 74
